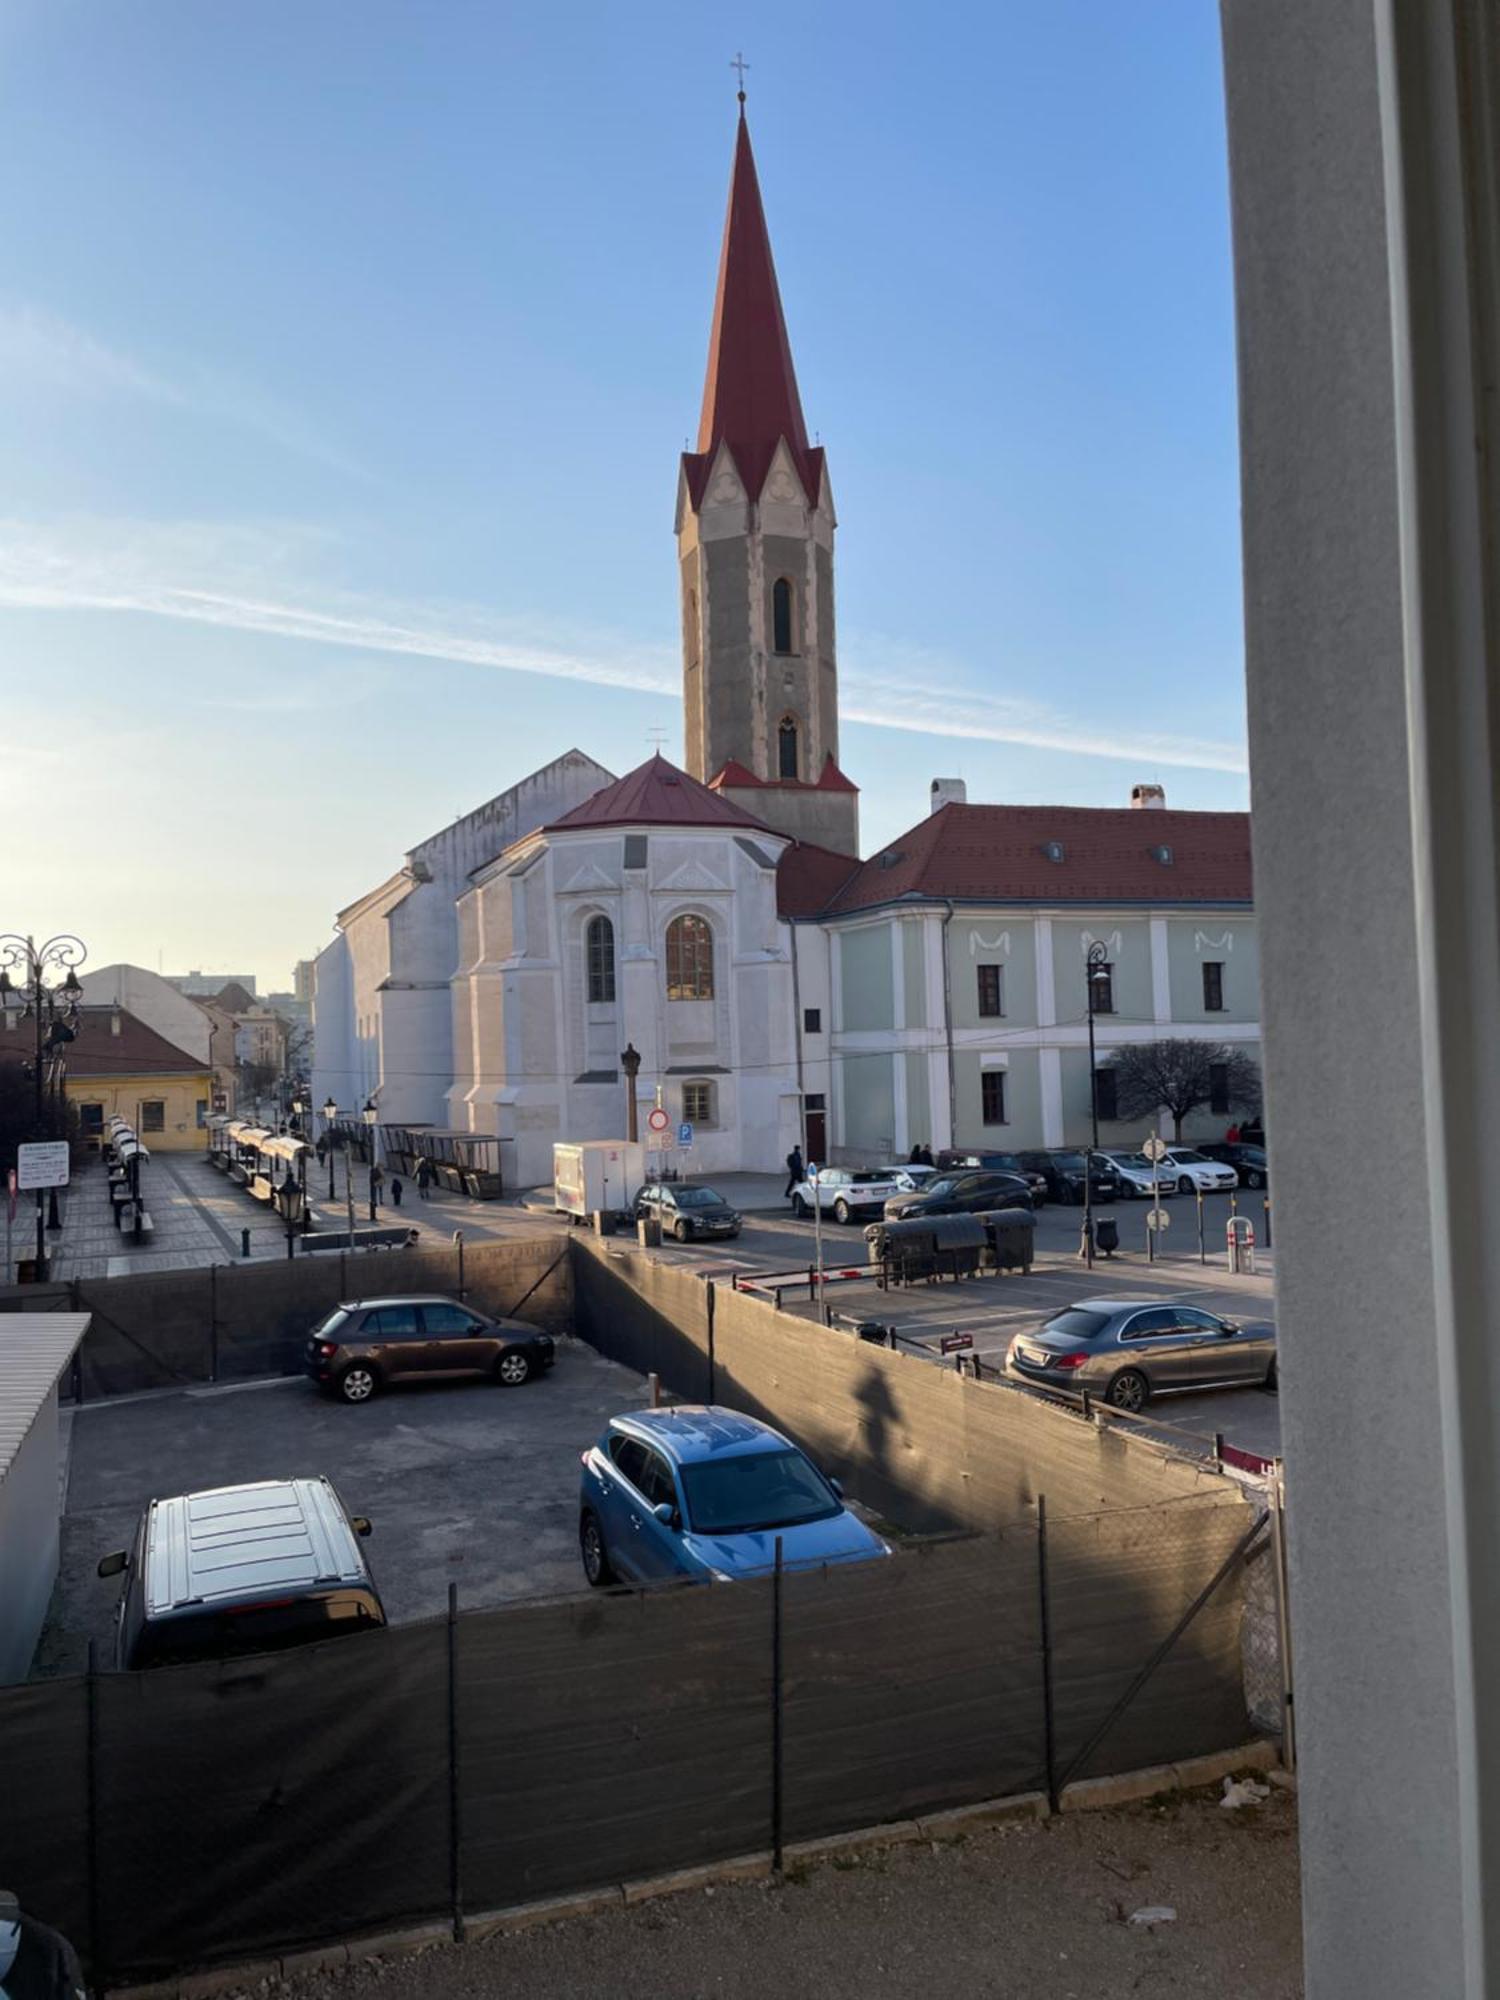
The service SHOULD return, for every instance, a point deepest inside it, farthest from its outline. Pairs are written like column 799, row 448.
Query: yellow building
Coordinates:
column 117, row 1065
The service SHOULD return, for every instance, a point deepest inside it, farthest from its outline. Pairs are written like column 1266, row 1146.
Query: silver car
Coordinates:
column 1126, row 1351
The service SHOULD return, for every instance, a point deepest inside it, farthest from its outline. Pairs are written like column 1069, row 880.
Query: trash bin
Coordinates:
column 603, row 1220
column 906, row 1248
column 958, row 1244
column 1011, row 1238
column 648, row 1232
column 1107, row 1235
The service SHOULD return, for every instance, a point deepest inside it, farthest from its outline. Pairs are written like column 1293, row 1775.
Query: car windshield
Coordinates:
column 867, row 1174
column 1069, row 1160
column 1254, row 1155
column 944, row 1186
column 1077, row 1323
column 1185, row 1157
column 1137, row 1162
column 698, row 1198
column 756, row 1490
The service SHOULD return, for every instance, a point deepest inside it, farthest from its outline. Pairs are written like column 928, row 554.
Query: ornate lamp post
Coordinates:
column 53, row 1011
column 372, row 1125
column 630, row 1062
column 1096, row 974
column 287, row 1196
column 330, row 1112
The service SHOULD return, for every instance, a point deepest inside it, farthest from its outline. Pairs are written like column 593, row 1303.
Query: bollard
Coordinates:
column 655, row 1383
column 1266, row 1210
column 244, row 1243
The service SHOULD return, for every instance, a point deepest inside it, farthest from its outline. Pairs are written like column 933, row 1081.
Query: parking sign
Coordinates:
column 684, row 1135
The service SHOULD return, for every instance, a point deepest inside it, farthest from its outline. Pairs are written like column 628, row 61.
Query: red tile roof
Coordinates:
column 809, row 878
column 736, row 776
column 750, row 398
column 656, row 793
column 1108, row 855
column 98, row 1051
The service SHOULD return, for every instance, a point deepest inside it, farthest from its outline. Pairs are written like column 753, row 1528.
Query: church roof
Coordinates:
column 750, row 398
column 737, row 776
column 808, row 878
column 1058, row 854
column 656, row 793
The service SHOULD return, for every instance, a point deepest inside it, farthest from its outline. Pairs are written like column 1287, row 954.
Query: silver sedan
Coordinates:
column 1129, row 1350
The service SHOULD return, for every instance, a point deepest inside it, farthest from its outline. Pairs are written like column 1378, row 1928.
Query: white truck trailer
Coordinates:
column 593, row 1174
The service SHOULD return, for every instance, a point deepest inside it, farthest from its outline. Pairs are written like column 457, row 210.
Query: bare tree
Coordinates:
column 1180, row 1076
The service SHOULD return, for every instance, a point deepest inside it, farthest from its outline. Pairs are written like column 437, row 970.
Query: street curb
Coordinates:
column 1088, row 1794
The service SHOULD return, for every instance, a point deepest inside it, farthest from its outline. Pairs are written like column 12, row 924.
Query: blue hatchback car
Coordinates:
column 704, row 1492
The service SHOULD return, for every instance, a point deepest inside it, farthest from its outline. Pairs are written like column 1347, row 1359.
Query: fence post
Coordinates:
column 213, row 1322
column 1202, row 1253
column 1266, row 1209
column 1049, row 1736
column 713, row 1293
column 343, row 1275
column 98, row 1967
column 776, row 1731
column 455, row 1790
column 458, row 1238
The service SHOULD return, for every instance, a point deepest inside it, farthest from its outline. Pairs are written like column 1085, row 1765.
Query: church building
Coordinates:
column 718, row 919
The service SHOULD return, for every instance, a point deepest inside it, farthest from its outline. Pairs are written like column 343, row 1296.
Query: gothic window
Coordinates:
column 690, row 959
column 786, row 748
column 600, row 940
column 781, row 615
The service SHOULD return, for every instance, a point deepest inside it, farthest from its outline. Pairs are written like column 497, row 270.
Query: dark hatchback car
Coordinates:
column 1063, row 1172
column 242, row 1569
column 687, row 1212
column 361, row 1347
column 1249, row 1162
column 954, row 1160
column 961, row 1194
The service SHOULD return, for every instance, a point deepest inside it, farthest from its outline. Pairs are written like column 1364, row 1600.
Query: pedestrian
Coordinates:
column 396, row 1193
column 914, row 1157
column 795, row 1172
column 424, row 1179
column 322, row 1151
column 924, row 1155
column 1232, row 1136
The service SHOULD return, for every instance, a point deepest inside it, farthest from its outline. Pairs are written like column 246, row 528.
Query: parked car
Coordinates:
column 961, row 1194
column 1138, row 1178
column 242, row 1569
column 954, row 1159
column 1194, row 1174
column 687, row 1212
column 847, row 1193
column 705, row 1492
column 1249, row 1162
column 1063, row 1172
column 363, row 1346
column 1129, row 1350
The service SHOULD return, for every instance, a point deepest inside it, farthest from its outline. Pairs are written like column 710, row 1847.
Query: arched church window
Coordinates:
column 600, row 942
column 690, row 959
column 781, row 615
column 786, row 748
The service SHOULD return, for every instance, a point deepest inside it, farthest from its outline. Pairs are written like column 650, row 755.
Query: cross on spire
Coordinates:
column 741, row 66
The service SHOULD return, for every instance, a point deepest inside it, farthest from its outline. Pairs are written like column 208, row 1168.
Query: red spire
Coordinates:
column 750, row 398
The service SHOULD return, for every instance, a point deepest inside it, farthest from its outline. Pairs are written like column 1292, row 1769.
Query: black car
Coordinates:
column 955, row 1158
column 962, row 1194
column 1063, row 1172
column 360, row 1347
column 687, row 1212
column 1249, row 1162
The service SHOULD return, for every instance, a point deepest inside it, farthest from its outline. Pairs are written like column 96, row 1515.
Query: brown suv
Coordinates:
column 360, row 1347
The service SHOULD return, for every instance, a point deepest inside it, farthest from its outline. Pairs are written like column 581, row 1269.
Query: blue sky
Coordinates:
column 347, row 348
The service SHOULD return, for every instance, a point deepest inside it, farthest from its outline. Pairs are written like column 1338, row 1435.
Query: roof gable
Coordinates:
column 656, row 793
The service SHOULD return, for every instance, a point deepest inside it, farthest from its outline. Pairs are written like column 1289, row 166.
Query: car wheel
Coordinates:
column 1184, row 1185
column 841, row 1210
column 512, row 1369
column 1129, row 1390
column 358, row 1382
column 596, row 1565
column 1254, row 1178
column 682, row 1229
column 800, row 1208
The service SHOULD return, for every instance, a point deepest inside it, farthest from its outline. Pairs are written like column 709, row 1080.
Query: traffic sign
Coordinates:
column 658, row 1138
column 42, row 1164
column 1155, row 1147
column 684, row 1134
column 658, row 1119
column 1157, row 1218
column 956, row 1343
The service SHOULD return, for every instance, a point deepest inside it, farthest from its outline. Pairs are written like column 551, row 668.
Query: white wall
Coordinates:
column 153, row 1000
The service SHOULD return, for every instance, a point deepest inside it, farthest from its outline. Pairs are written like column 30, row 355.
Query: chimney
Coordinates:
column 1148, row 798
column 114, row 1022
column 948, row 792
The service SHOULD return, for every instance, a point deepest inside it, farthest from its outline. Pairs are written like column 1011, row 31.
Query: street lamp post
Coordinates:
column 372, row 1125
column 630, row 1062
column 330, row 1112
column 1096, row 973
column 53, row 1011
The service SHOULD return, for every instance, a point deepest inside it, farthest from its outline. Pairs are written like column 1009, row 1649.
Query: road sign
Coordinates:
column 657, row 1119
column 1157, row 1218
column 658, row 1137
column 1155, row 1147
column 956, row 1343
column 684, row 1135
column 43, row 1164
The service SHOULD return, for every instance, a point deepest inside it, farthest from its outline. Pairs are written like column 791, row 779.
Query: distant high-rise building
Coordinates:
column 209, row 983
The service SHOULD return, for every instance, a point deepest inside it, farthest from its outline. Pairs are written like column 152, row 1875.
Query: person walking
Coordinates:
column 914, row 1157
column 795, row 1172
column 395, row 1192
column 424, row 1179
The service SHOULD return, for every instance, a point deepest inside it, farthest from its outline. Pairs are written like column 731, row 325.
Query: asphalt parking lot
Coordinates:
column 466, row 1483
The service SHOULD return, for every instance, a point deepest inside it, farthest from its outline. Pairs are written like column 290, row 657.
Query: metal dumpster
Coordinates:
column 1010, row 1238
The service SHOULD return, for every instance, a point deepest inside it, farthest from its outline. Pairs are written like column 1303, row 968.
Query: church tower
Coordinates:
column 755, row 527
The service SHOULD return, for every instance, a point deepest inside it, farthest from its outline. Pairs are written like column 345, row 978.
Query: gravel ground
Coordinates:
column 1032, row 1911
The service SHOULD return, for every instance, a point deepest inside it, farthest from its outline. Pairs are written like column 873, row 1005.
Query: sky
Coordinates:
column 347, row 349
